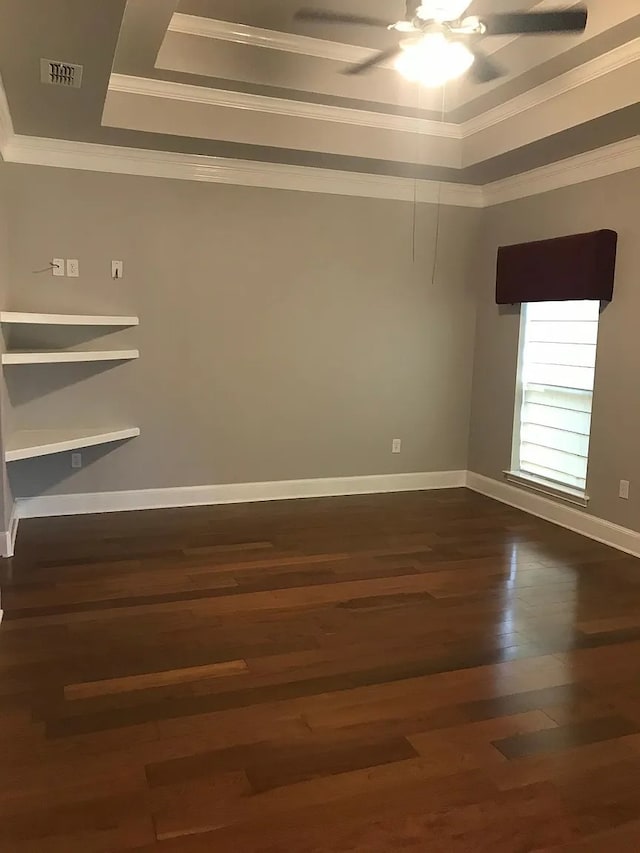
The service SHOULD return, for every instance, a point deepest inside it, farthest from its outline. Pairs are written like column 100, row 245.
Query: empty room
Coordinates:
column 319, row 426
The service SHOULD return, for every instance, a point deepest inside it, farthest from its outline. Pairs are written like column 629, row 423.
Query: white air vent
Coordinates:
column 61, row 73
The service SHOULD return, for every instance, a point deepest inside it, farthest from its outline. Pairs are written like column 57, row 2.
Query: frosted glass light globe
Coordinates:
column 433, row 60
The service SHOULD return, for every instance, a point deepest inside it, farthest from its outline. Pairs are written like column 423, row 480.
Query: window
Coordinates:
column 555, row 392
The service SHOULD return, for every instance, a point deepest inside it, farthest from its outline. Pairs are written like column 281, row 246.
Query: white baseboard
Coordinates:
column 558, row 513
column 8, row 538
column 51, row 505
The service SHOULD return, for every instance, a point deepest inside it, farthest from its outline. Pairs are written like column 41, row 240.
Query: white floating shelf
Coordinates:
column 62, row 356
column 27, row 444
column 30, row 319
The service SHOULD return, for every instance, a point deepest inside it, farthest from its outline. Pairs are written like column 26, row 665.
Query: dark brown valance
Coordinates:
column 578, row 267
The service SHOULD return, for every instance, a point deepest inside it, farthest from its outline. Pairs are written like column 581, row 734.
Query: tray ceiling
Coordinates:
column 242, row 79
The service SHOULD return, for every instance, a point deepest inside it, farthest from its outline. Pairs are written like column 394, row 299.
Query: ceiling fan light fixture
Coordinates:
column 403, row 27
column 433, row 60
column 442, row 10
column 471, row 26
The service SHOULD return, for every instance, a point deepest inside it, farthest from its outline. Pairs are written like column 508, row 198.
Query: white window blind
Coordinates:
column 557, row 372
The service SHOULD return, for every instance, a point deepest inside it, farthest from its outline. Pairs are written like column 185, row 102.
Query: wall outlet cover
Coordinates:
column 73, row 268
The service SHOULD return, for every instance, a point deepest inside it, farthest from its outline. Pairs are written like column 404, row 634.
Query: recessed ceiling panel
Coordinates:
column 560, row 96
column 214, row 58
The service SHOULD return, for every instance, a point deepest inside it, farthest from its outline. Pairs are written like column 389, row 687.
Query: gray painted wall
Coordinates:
column 283, row 335
column 615, row 432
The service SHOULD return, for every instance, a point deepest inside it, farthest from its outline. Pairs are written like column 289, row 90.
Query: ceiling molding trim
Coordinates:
column 193, row 25
column 6, row 124
column 134, row 161
column 609, row 62
column 279, row 106
column 614, row 60
column 337, row 51
column 609, row 160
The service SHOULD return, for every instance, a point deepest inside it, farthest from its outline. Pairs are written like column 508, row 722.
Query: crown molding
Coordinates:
column 611, row 159
column 615, row 59
column 608, row 160
column 194, row 25
column 607, row 63
column 193, row 167
column 279, row 106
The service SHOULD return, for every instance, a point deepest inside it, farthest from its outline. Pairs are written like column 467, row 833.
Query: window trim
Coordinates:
column 546, row 487
column 517, row 408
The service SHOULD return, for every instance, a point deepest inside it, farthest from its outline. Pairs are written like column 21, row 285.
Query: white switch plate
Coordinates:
column 624, row 489
column 396, row 445
column 57, row 266
column 117, row 270
column 73, row 268
column 76, row 460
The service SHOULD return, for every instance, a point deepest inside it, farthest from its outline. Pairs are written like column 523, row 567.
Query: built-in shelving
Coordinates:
column 26, row 444
column 29, row 343
column 67, row 356
column 34, row 319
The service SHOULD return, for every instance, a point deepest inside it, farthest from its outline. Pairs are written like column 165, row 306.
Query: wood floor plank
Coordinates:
column 420, row 671
column 266, row 772
column 622, row 839
column 564, row 737
column 153, row 679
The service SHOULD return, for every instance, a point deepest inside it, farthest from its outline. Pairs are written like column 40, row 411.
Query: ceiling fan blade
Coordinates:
column 516, row 23
column 338, row 18
column 484, row 69
column 374, row 60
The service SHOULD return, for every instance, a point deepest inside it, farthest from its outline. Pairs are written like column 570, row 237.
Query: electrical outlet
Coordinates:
column 76, row 460
column 73, row 268
column 396, row 445
column 624, row 489
column 57, row 266
column 117, row 270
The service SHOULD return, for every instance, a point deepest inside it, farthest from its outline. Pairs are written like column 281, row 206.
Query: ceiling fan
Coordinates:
column 438, row 44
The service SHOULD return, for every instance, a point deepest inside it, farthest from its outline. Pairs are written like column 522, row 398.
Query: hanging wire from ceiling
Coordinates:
column 414, row 238
column 436, row 240
column 414, row 223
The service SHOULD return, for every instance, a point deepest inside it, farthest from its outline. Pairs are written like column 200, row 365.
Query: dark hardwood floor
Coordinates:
column 416, row 672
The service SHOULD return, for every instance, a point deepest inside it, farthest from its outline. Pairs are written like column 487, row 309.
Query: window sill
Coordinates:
column 552, row 490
